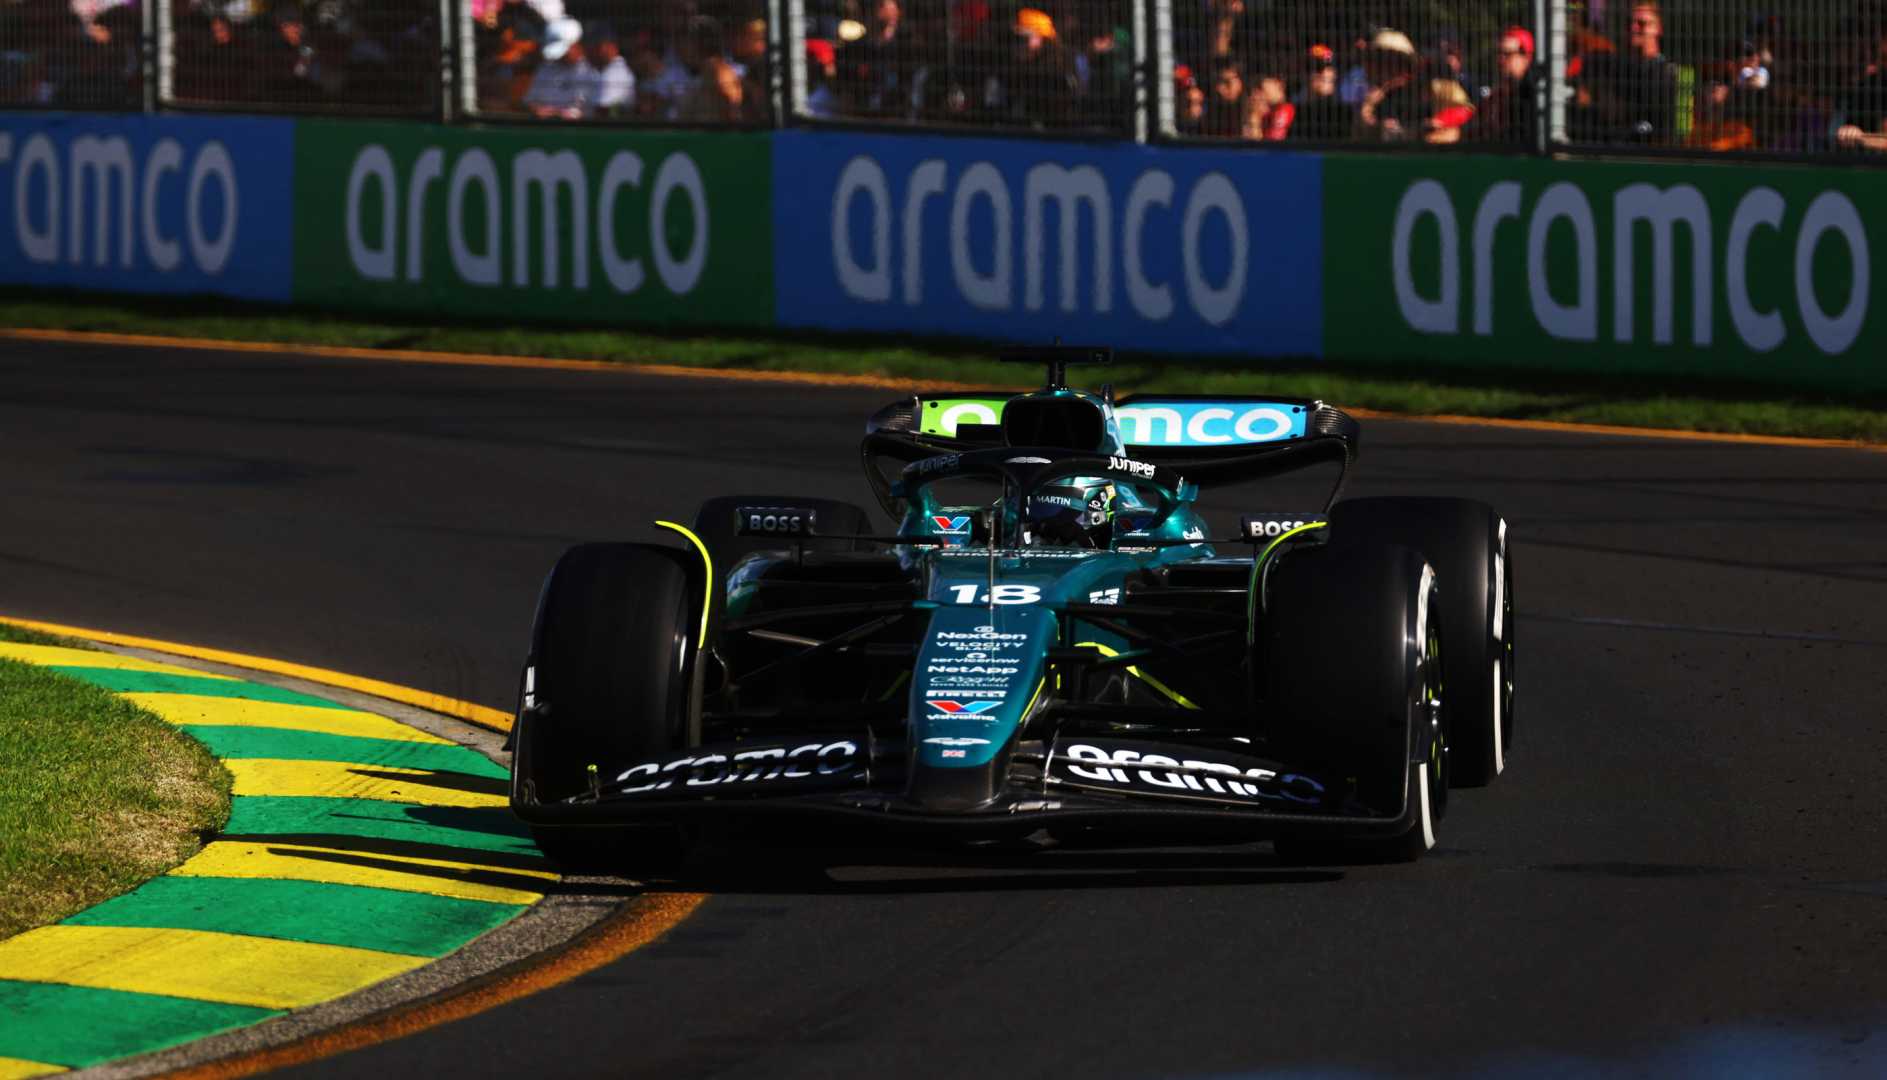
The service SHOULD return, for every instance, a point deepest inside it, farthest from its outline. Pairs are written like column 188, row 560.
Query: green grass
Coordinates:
column 1736, row 408
column 96, row 795
column 20, row 635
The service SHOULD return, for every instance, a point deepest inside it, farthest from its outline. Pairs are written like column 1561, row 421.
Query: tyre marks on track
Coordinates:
column 357, row 850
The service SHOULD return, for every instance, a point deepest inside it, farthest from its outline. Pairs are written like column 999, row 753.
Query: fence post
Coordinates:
column 1554, row 134
column 793, row 39
column 465, row 59
column 1142, row 101
column 160, row 54
column 1164, row 120
column 449, row 44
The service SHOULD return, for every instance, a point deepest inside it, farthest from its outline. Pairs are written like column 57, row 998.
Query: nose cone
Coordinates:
column 976, row 677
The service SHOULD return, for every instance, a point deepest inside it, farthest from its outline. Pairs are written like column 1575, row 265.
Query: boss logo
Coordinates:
column 1270, row 528
column 773, row 521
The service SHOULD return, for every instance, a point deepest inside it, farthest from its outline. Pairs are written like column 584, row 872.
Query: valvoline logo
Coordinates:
column 973, row 708
column 952, row 525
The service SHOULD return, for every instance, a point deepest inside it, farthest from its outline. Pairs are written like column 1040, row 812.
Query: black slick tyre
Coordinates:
column 1351, row 659
column 1466, row 542
column 614, row 658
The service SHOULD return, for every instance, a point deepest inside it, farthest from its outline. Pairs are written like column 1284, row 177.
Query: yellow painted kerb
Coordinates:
column 481, row 715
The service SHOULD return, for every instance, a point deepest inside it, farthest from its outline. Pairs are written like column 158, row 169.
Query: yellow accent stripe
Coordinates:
column 20, row 1068
column 707, row 594
column 341, row 866
column 341, row 780
column 235, row 712
column 60, row 656
column 422, row 356
column 807, row 378
column 481, row 715
column 1257, row 580
column 1178, row 698
column 235, row 969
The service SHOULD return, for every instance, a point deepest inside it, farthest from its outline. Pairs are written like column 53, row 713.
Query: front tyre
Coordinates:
column 1353, row 662
column 614, row 655
column 1466, row 542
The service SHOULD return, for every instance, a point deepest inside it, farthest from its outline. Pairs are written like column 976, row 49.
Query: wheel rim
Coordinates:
column 1435, row 770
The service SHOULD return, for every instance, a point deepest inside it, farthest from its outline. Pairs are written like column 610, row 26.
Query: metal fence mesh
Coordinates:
column 1416, row 72
column 371, row 56
column 1803, row 78
column 65, row 54
column 1701, row 75
column 1051, row 65
column 654, row 61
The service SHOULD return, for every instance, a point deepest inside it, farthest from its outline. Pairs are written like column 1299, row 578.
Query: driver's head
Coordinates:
column 1072, row 515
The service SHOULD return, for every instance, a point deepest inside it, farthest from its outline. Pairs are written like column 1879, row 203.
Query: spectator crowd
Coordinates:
column 1691, row 74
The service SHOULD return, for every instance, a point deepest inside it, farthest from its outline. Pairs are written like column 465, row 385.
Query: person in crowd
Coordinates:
column 1225, row 102
column 566, row 87
column 1861, row 124
column 1733, row 112
column 1634, row 92
column 1320, row 113
column 717, row 96
column 615, row 82
column 1450, row 110
column 1510, row 111
column 749, row 56
column 1189, row 101
column 1396, row 106
column 822, row 73
column 1268, row 110
column 875, row 71
column 507, row 40
column 1040, row 90
column 1104, row 74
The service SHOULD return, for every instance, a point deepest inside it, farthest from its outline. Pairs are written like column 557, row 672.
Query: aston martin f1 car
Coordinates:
column 1050, row 639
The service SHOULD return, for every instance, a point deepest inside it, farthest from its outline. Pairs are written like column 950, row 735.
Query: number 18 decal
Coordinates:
column 1002, row 594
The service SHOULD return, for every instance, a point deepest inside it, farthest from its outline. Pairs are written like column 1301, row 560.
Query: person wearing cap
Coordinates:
column 822, row 71
column 565, row 87
column 1189, row 100
column 1321, row 113
column 1042, row 84
column 1511, row 109
column 875, row 70
column 1393, row 110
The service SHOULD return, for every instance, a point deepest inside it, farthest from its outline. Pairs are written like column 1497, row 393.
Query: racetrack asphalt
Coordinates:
column 1682, row 871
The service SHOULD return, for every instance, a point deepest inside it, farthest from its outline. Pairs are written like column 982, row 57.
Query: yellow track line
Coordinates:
column 636, row 925
column 481, row 715
column 61, row 656
column 421, row 356
column 1572, row 428
column 806, row 378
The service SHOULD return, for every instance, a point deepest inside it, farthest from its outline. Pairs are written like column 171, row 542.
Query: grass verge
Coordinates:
column 1440, row 390
column 96, row 795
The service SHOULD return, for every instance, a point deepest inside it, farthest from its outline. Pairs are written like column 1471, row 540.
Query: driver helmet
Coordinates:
column 1079, row 513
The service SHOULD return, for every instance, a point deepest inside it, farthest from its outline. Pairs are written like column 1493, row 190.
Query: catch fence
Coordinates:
column 1787, row 78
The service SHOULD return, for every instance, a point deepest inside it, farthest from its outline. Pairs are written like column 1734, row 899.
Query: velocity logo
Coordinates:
column 973, row 708
column 952, row 526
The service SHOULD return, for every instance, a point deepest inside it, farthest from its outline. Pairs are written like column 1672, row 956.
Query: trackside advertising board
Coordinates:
column 1696, row 270
column 1183, row 251
column 535, row 224
column 172, row 204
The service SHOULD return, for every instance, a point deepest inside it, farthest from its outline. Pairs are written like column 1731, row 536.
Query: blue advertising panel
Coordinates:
column 156, row 204
column 1179, row 251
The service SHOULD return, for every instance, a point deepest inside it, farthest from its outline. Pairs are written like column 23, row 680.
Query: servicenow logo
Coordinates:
column 1106, row 227
column 554, row 211
column 1512, row 237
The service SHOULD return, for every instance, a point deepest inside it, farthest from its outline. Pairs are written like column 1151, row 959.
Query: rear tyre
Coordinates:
column 1466, row 542
column 1351, row 654
column 614, row 654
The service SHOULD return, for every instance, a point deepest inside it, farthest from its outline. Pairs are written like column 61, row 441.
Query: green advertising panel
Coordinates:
column 547, row 223
column 1692, row 270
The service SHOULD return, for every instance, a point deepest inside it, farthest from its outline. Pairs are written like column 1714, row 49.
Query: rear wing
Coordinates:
column 1209, row 439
